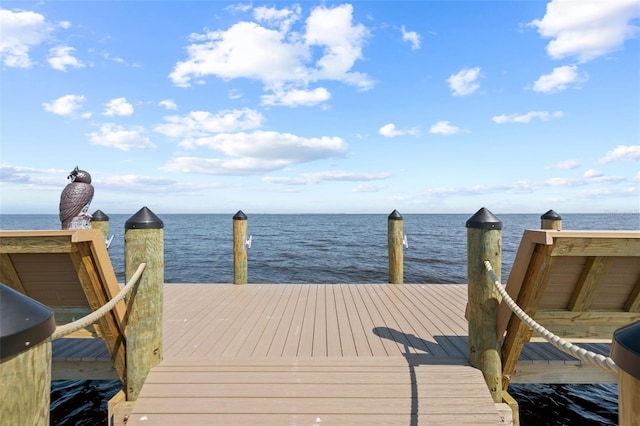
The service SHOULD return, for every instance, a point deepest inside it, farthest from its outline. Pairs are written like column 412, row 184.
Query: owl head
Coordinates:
column 78, row 175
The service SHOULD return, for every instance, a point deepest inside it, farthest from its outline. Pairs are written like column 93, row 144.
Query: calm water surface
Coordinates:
column 335, row 249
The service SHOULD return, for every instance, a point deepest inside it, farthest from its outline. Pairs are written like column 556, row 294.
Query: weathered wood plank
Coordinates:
column 589, row 283
column 596, row 246
column 561, row 374
column 534, row 284
column 262, row 389
column 346, row 333
column 23, row 242
column 354, row 323
column 286, row 296
column 292, row 340
column 374, row 344
column 308, row 324
column 8, row 274
column 633, row 302
column 311, row 419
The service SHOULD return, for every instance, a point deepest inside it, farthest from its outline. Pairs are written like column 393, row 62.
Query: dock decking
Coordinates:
column 314, row 354
column 318, row 354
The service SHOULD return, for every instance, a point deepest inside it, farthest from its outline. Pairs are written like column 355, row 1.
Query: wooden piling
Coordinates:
column 26, row 387
column 484, row 240
column 396, row 256
column 144, row 242
column 240, row 265
column 100, row 221
column 551, row 220
column 625, row 351
column 25, row 359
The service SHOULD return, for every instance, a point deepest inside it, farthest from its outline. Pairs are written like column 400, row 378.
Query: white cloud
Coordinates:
column 464, row 82
column 367, row 188
column 592, row 174
column 327, row 49
column 140, row 183
column 19, row 32
column 119, row 137
column 108, row 57
column 317, row 177
column 118, row 106
column 297, row 97
column 390, row 131
column 68, row 105
column 168, row 104
column 234, row 94
column 566, row 165
column 255, row 153
column 412, row 37
column 622, row 152
column 444, row 128
column 559, row 79
column 587, row 29
column 226, row 166
column 342, row 42
column 272, row 146
column 526, row 118
column 60, row 58
column 283, row 19
column 204, row 123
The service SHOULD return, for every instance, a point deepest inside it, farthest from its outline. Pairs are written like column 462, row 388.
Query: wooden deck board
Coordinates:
column 427, row 317
column 332, row 342
column 345, row 390
column 293, row 354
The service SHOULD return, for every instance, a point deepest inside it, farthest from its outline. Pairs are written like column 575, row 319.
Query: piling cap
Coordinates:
column 24, row 322
column 99, row 216
column 551, row 215
column 144, row 219
column 625, row 349
column 484, row 219
column 395, row 215
column 240, row 216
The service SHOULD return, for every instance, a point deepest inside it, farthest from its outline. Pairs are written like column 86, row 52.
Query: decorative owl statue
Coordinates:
column 75, row 200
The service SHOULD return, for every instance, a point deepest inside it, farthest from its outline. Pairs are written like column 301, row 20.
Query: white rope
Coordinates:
column 93, row 317
column 596, row 360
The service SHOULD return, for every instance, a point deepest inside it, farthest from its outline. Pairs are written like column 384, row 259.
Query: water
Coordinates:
column 335, row 249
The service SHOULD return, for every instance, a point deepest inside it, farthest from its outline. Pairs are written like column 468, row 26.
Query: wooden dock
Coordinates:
column 314, row 354
column 341, row 353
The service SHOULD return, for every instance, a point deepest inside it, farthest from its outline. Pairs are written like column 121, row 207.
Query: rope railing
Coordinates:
column 589, row 357
column 65, row 330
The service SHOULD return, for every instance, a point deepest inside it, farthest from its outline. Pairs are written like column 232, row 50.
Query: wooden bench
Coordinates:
column 578, row 284
column 70, row 272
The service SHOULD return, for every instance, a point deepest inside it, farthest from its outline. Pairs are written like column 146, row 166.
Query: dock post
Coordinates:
column 396, row 257
column 239, row 248
column 143, row 242
column 25, row 359
column 625, row 351
column 100, row 221
column 484, row 241
column 551, row 220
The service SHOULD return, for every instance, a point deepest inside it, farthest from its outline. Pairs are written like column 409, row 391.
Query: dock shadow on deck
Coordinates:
column 314, row 354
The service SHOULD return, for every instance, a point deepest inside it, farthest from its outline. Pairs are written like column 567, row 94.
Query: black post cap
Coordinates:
column 144, row 219
column 24, row 322
column 625, row 349
column 240, row 216
column 99, row 216
column 484, row 219
column 395, row 215
column 551, row 215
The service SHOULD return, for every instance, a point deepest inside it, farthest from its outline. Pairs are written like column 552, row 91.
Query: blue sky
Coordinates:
column 322, row 107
